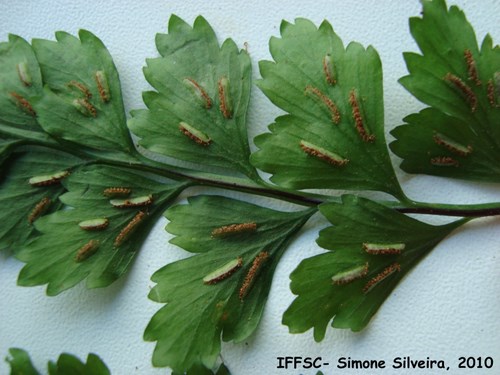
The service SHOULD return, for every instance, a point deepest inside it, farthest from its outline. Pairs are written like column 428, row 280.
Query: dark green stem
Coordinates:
column 464, row 210
column 303, row 198
column 260, row 187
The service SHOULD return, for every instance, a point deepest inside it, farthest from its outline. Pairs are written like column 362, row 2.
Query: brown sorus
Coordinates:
column 47, row 180
column 228, row 230
column 471, row 67
column 223, row 272
column 23, row 103
column 329, row 70
column 116, row 192
column 194, row 134
column 39, row 209
column 129, row 228
column 451, row 145
column 144, row 200
column 491, row 94
column 463, row 88
column 199, row 92
column 321, row 153
column 444, row 161
column 395, row 267
column 252, row 273
column 358, row 118
column 86, row 251
column 332, row 107
column 226, row 106
column 102, row 86
column 81, row 87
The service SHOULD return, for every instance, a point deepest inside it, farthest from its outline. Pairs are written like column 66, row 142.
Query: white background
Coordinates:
column 447, row 307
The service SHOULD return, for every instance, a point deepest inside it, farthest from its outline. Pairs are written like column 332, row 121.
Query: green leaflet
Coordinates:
column 201, row 370
column 461, row 82
column 20, row 364
column 20, row 199
column 82, row 104
column 65, row 253
column 20, row 82
column 335, row 104
column 200, row 84
column 351, row 304
column 20, row 79
column 425, row 140
column 188, row 328
column 69, row 364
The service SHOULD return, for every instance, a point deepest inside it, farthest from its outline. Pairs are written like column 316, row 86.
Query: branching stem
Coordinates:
column 264, row 188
